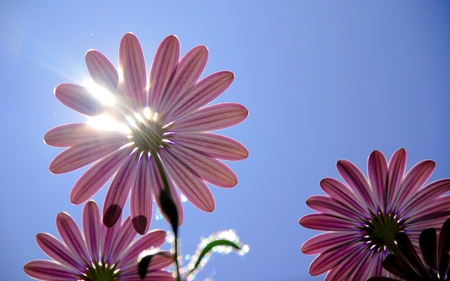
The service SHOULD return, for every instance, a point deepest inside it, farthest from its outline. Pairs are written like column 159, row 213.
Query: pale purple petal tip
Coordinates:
column 79, row 99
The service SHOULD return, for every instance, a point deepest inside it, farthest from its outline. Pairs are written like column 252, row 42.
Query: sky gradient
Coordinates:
column 322, row 80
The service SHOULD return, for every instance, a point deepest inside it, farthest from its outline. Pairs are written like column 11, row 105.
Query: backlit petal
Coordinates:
column 141, row 199
column 79, row 99
column 216, row 146
column 131, row 61
column 214, row 117
column 102, row 70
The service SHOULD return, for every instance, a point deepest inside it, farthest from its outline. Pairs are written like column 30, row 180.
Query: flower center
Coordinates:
column 148, row 134
column 100, row 271
column 381, row 229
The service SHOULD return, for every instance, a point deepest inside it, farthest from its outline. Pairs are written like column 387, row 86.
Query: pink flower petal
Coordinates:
column 377, row 170
column 163, row 68
column 97, row 175
column 79, row 99
column 326, row 222
column 338, row 191
column 141, row 199
column 71, row 236
column 102, row 70
column 216, row 146
column 77, row 133
column 324, row 241
column 202, row 93
column 346, row 268
column 397, row 168
column 187, row 73
column 159, row 261
column 124, row 239
column 356, row 181
column 414, row 180
column 214, row 117
column 331, row 258
column 154, row 238
column 192, row 187
column 56, row 250
column 152, row 276
column 131, row 61
column 118, row 191
column 109, row 238
column 49, row 270
column 423, row 197
column 83, row 154
column 207, row 168
column 91, row 229
column 157, row 185
column 325, row 204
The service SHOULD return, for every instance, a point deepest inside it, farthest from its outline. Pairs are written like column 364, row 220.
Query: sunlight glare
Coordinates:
column 106, row 122
column 103, row 95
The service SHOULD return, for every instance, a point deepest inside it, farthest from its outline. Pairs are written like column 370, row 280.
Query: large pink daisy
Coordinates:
column 166, row 120
column 362, row 217
column 97, row 252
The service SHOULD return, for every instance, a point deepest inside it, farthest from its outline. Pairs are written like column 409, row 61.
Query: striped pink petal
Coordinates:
column 192, row 186
column 207, row 168
column 71, row 236
column 325, row 204
column 356, row 180
column 163, row 67
column 414, row 180
column 427, row 194
column 83, row 154
column 326, row 222
column 216, row 146
column 377, row 170
column 97, row 175
column 118, row 191
column 124, row 239
column 201, row 94
column 141, row 199
column 337, row 190
column 131, row 61
column 397, row 168
column 154, row 238
column 159, row 260
column 109, row 240
column 77, row 133
column 91, row 228
column 79, row 99
column 49, row 270
column 325, row 241
column 186, row 75
column 56, row 250
column 102, row 70
column 158, row 185
column 214, row 117
column 152, row 276
column 331, row 258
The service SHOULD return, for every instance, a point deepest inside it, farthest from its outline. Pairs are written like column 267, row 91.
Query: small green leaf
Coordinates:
column 143, row 266
column 210, row 246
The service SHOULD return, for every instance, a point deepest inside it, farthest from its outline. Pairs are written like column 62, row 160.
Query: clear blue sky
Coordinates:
column 323, row 81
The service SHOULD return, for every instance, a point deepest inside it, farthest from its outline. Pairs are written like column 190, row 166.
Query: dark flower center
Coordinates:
column 381, row 229
column 149, row 135
column 100, row 271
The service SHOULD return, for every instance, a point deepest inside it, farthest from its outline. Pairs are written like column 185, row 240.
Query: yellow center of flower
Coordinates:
column 100, row 271
column 381, row 229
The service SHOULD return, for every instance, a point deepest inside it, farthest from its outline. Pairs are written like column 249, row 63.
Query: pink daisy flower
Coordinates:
column 363, row 216
column 97, row 252
column 164, row 118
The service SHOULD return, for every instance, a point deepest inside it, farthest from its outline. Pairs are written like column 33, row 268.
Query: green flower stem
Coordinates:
column 162, row 172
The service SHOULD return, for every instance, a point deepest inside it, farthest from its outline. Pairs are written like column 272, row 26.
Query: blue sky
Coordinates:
column 322, row 80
